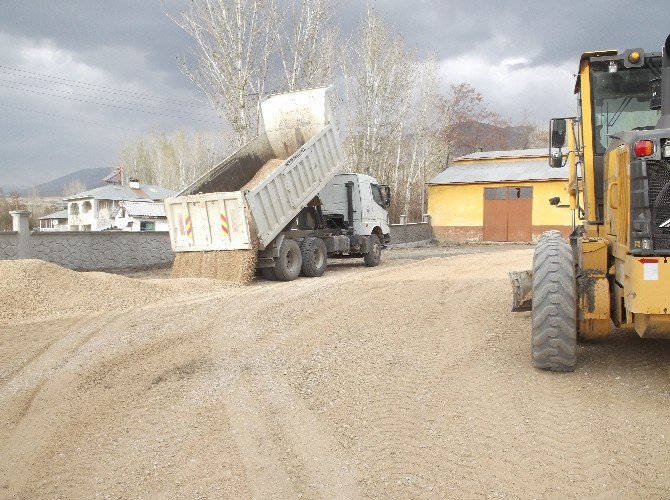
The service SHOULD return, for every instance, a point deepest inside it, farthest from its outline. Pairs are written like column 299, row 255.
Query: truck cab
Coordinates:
column 367, row 199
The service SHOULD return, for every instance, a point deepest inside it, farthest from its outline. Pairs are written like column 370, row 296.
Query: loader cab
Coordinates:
column 615, row 94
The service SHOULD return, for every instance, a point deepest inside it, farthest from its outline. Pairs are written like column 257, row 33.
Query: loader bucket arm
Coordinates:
column 522, row 290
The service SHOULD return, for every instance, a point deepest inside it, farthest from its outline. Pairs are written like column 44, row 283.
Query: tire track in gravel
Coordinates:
column 403, row 459
column 549, row 416
column 404, row 410
column 327, row 471
column 104, row 359
column 260, row 455
column 85, row 349
column 407, row 380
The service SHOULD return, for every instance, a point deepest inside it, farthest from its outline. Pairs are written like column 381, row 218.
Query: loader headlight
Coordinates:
column 634, row 57
column 666, row 149
column 642, row 243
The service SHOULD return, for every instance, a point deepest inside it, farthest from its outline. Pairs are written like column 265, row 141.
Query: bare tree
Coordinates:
column 307, row 45
column 72, row 187
column 427, row 151
column 380, row 81
column 234, row 42
column 471, row 125
column 397, row 127
column 5, row 218
column 172, row 161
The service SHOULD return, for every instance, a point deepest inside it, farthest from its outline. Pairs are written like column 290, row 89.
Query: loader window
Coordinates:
column 621, row 100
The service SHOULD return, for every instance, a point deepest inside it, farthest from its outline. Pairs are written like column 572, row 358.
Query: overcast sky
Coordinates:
column 56, row 54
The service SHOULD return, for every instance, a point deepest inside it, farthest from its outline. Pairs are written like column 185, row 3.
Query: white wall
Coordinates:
column 161, row 224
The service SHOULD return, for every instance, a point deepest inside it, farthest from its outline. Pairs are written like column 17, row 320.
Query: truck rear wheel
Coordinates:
column 554, row 336
column 288, row 264
column 314, row 257
column 374, row 256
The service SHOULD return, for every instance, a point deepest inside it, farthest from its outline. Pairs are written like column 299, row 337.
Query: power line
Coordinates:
column 110, row 105
column 77, row 83
column 99, row 97
column 68, row 118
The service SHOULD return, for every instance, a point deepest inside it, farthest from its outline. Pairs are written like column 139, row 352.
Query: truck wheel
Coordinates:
column 374, row 256
column 554, row 331
column 287, row 265
column 314, row 257
column 269, row 273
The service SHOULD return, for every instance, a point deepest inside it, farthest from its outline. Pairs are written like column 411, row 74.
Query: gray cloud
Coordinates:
column 520, row 54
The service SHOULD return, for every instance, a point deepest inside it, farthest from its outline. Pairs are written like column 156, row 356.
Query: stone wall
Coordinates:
column 411, row 233
column 9, row 241
column 112, row 250
column 86, row 250
column 106, row 250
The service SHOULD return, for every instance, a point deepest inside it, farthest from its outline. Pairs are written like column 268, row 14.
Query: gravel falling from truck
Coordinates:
column 238, row 266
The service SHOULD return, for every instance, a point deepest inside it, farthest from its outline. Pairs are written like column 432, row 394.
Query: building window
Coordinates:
column 516, row 193
column 508, row 193
column 495, row 193
column 146, row 225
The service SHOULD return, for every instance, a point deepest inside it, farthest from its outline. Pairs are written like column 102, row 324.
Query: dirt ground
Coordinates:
column 412, row 379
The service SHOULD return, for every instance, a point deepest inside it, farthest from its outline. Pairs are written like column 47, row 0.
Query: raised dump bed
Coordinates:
column 248, row 199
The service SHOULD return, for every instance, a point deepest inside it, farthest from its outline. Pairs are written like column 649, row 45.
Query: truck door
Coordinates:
column 372, row 206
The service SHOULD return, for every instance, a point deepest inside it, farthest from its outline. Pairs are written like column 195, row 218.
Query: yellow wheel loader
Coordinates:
column 615, row 267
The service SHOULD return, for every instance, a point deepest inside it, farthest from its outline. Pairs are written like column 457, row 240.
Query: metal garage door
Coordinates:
column 508, row 213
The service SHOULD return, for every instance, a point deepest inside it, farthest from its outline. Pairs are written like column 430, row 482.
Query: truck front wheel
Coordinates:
column 289, row 262
column 374, row 256
column 314, row 257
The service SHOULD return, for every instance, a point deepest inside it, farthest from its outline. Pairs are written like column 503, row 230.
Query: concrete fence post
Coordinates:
column 21, row 224
column 426, row 218
column 403, row 220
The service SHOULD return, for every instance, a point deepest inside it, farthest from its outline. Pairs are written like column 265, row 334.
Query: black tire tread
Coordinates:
column 554, row 331
column 309, row 267
column 282, row 272
column 371, row 259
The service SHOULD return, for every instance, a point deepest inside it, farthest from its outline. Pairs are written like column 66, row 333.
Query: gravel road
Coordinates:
column 412, row 379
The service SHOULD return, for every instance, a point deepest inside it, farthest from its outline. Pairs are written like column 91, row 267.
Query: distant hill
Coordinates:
column 476, row 136
column 90, row 177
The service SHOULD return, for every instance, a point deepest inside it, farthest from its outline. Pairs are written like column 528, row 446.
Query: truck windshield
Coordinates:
column 621, row 99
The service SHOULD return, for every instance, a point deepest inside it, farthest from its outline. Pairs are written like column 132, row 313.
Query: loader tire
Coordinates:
column 554, row 331
column 288, row 264
column 374, row 256
column 314, row 257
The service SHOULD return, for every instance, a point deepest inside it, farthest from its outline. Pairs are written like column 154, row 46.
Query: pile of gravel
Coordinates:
column 35, row 288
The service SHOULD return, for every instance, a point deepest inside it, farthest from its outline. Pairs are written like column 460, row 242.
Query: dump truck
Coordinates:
column 615, row 268
column 281, row 196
